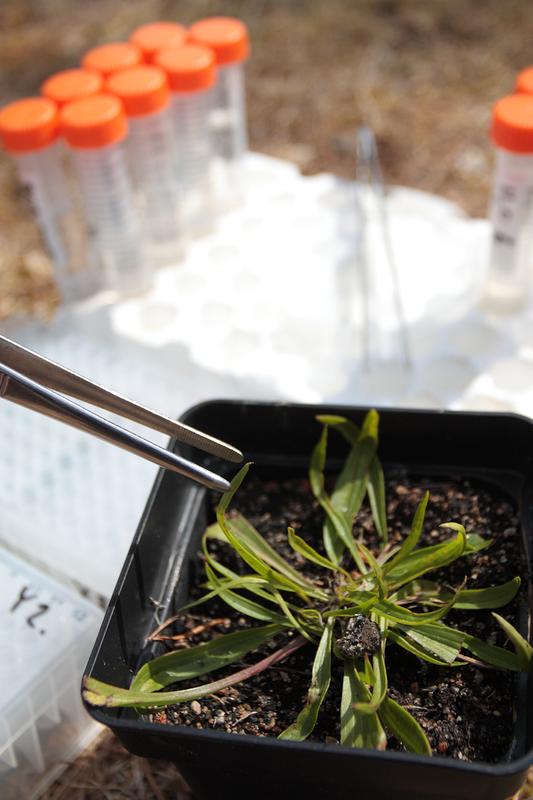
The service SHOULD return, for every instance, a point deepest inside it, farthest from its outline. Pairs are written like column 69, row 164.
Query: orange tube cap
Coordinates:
column 512, row 123
column 93, row 122
column 190, row 68
column 29, row 124
column 71, row 84
column 143, row 90
column 227, row 37
column 158, row 36
column 109, row 58
column 524, row 81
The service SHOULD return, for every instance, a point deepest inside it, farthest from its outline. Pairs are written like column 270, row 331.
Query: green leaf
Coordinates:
column 494, row 597
column 406, row 617
column 494, row 656
column 350, row 487
column 413, row 537
column 338, row 536
column 438, row 640
column 348, row 429
column 403, row 640
column 98, row 693
column 304, row 724
column 299, row 545
column 420, row 590
column 375, row 487
column 475, row 543
column 375, row 568
column 399, row 722
column 251, row 537
column 273, row 576
column 181, row 665
column 358, row 730
column 243, row 604
column 251, row 582
column 349, row 611
column 426, row 559
column 523, row 650
column 296, row 624
column 379, row 689
column 375, row 482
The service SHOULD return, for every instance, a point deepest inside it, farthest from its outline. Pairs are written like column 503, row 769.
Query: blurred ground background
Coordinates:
column 422, row 74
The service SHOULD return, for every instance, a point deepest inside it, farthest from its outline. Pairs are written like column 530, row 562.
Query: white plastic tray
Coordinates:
column 46, row 632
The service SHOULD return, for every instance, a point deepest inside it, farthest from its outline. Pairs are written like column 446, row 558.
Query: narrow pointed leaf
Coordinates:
column 358, row 730
column 375, row 568
column 494, row 656
column 333, row 534
column 413, row 537
column 253, row 583
column 337, row 536
column 475, row 543
column 405, row 641
column 375, row 487
column 349, row 611
column 304, row 724
column 420, row 589
column 249, row 556
column 243, row 604
column 350, row 486
column 97, row 693
column 181, row 665
column 523, row 649
column 348, row 429
column 379, row 688
column 406, row 617
column 439, row 640
column 375, row 481
column 250, row 608
column 251, row 537
column 399, row 722
column 250, row 583
column 426, row 559
column 291, row 618
column 300, row 546
column 494, row 597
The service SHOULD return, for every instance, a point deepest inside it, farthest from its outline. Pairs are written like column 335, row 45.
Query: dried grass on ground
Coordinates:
column 424, row 75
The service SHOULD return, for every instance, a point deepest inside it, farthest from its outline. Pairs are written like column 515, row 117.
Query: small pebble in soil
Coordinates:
column 361, row 637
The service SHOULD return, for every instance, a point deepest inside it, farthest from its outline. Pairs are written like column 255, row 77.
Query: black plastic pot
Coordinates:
column 496, row 448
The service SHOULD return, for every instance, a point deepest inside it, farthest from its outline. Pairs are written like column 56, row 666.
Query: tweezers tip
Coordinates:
column 235, row 455
column 219, row 484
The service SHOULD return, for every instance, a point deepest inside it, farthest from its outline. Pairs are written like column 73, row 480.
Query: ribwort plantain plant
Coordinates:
column 361, row 603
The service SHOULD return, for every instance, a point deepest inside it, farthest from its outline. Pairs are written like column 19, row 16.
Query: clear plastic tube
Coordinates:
column 510, row 215
column 112, row 217
column 193, row 160
column 150, row 147
column 59, row 216
column 229, row 131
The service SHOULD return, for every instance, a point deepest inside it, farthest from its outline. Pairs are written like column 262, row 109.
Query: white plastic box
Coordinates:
column 46, row 632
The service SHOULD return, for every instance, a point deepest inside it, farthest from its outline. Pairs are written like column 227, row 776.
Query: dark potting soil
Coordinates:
column 466, row 712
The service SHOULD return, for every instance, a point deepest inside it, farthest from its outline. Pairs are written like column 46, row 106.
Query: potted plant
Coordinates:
column 354, row 640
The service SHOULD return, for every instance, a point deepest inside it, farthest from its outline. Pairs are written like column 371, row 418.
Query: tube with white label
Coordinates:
column 511, row 205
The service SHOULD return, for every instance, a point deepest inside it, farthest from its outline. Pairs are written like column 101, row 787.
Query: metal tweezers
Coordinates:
column 34, row 382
